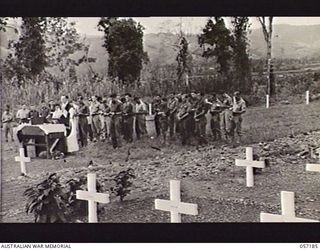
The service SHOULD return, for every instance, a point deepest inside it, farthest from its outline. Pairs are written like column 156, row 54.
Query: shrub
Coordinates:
column 45, row 201
column 123, row 183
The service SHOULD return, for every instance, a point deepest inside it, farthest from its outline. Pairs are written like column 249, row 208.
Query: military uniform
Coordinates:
column 215, row 119
column 115, row 123
column 7, row 119
column 201, row 108
column 226, row 118
column 95, row 119
column 185, row 125
column 155, row 111
column 127, row 121
column 83, row 112
column 172, row 119
column 164, row 119
column 237, row 109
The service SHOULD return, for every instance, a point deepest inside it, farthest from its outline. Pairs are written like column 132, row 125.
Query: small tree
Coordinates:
column 183, row 58
column 123, row 183
column 123, row 40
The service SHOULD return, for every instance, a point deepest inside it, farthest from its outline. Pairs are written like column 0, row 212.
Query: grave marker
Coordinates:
column 174, row 205
column 267, row 101
column 92, row 197
column 287, row 211
column 315, row 167
column 22, row 159
column 249, row 163
column 307, row 97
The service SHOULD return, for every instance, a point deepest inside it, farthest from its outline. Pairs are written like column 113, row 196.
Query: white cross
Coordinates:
column 150, row 109
column 267, row 101
column 307, row 97
column 287, row 211
column 314, row 167
column 250, row 164
column 22, row 159
column 92, row 197
column 174, row 205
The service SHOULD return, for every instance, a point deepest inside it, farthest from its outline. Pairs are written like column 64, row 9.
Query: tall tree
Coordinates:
column 267, row 29
column 216, row 42
column 123, row 40
column 29, row 51
column 240, row 52
column 183, row 58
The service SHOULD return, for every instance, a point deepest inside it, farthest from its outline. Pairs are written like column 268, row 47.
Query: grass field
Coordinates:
column 208, row 174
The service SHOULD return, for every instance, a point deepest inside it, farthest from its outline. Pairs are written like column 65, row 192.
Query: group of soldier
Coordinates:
column 116, row 118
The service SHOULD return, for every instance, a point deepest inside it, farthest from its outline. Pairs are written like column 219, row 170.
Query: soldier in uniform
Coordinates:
column 83, row 113
column 215, row 117
column 115, row 123
column 172, row 115
column 95, row 118
column 155, row 110
column 127, row 118
column 201, row 108
column 141, row 111
column 238, row 108
column 184, row 119
column 226, row 117
column 7, row 119
column 163, row 118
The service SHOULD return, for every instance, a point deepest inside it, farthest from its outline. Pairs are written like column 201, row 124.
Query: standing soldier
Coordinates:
column 141, row 111
column 184, row 119
column 23, row 114
column 115, row 123
column 7, row 119
column 102, row 110
column 238, row 108
column 172, row 112
column 201, row 108
column 215, row 119
column 163, row 118
column 83, row 113
column 127, row 118
column 95, row 119
column 226, row 117
column 155, row 110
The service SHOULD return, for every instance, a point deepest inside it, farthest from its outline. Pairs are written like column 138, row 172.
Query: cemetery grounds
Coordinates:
column 282, row 134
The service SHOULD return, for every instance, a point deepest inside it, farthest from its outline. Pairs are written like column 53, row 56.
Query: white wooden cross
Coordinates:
column 315, row 167
column 22, row 159
column 150, row 109
column 250, row 164
column 92, row 197
column 174, row 205
column 267, row 101
column 287, row 211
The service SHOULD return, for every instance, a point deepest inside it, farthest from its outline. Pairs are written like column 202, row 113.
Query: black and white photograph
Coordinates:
column 190, row 119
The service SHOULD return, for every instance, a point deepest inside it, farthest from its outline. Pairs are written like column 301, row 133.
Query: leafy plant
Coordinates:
column 73, row 204
column 123, row 183
column 45, row 201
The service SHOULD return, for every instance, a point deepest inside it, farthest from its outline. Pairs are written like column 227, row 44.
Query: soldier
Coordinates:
column 95, row 119
column 163, row 118
column 115, row 123
column 127, row 118
column 226, row 117
column 7, row 119
column 215, row 117
column 184, row 119
column 172, row 115
column 23, row 114
column 102, row 111
column 155, row 110
column 201, row 108
column 141, row 111
column 238, row 108
column 83, row 113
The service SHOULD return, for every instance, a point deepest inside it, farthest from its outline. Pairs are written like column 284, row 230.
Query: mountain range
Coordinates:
column 289, row 41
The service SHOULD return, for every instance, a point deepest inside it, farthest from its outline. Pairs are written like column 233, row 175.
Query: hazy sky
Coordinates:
column 87, row 25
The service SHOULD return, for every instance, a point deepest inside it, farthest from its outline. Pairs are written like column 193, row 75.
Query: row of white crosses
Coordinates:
column 287, row 198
